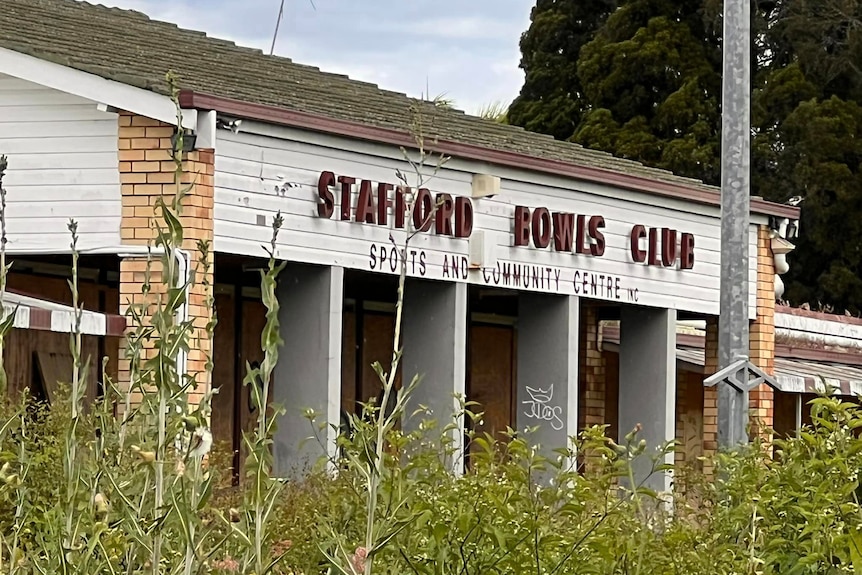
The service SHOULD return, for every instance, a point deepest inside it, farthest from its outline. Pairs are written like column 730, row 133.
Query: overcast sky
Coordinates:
column 465, row 48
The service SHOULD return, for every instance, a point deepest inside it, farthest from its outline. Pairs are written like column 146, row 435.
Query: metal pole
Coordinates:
column 735, row 191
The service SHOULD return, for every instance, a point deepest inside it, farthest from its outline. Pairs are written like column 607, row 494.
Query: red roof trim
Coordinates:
column 812, row 354
column 785, row 351
column 274, row 115
column 40, row 318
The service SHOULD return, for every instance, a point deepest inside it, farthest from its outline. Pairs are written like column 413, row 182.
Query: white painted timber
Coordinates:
column 253, row 165
column 63, row 165
column 823, row 330
column 92, row 87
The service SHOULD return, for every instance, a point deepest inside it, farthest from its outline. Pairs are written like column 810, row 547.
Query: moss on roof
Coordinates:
column 129, row 47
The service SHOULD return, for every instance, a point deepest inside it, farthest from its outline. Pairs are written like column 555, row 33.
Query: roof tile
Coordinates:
column 131, row 48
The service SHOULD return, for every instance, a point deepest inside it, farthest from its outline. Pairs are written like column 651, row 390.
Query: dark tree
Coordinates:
column 645, row 83
column 551, row 100
column 651, row 78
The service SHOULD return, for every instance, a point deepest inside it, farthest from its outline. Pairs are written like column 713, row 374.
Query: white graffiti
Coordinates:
column 540, row 408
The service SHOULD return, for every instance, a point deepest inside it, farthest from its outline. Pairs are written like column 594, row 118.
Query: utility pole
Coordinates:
column 735, row 203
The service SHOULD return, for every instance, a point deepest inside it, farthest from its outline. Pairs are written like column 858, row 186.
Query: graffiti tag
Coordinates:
column 539, row 406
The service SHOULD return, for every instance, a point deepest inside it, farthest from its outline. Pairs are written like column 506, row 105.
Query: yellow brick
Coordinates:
column 145, row 144
column 145, row 166
column 148, row 190
column 134, row 222
column 132, row 132
column 136, row 201
column 144, row 121
column 131, row 155
column 157, row 155
column 130, row 178
column 161, row 132
column 160, row 178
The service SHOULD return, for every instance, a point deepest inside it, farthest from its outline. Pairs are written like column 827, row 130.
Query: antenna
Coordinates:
column 278, row 24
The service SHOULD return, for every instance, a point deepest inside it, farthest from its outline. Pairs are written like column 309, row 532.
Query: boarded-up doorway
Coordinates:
column 490, row 378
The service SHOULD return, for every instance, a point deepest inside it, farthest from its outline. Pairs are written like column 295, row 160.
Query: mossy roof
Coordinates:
column 128, row 47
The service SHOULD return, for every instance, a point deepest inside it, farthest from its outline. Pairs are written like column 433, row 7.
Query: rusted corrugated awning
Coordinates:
column 798, row 375
column 39, row 314
column 797, row 369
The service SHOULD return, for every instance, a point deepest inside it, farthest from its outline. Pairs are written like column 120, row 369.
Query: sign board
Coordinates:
column 342, row 206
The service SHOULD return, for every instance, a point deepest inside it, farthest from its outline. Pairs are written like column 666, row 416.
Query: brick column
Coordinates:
column 146, row 174
column 592, row 372
column 762, row 341
column 710, row 394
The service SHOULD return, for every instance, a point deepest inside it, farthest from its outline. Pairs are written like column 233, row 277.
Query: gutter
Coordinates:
column 184, row 281
column 281, row 116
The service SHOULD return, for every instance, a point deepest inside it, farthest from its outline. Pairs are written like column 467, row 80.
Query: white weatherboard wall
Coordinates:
column 252, row 164
column 62, row 155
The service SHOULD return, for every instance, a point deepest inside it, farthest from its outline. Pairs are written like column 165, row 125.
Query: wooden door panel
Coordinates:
column 378, row 331
column 224, row 372
column 492, row 377
column 349, row 351
column 253, row 322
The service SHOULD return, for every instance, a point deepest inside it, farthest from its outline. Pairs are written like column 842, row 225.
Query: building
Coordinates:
column 535, row 242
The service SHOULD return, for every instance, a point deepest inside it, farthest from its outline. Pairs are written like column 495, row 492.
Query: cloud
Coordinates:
column 468, row 28
column 467, row 50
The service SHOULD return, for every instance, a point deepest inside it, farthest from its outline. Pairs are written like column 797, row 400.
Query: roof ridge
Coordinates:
column 110, row 42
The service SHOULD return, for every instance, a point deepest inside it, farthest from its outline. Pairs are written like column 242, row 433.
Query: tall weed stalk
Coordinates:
column 373, row 428
column 260, row 553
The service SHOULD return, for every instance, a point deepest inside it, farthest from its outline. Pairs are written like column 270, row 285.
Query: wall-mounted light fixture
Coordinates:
column 189, row 140
column 227, row 124
column 485, row 186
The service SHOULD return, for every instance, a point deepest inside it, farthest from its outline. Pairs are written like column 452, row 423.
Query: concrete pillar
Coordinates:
column 547, row 377
column 648, row 384
column 308, row 372
column 435, row 344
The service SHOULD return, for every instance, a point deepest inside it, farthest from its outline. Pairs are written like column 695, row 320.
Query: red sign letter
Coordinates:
column 564, row 225
column 541, row 227
column 596, row 223
column 522, row 226
column 638, row 232
column 668, row 247
column 383, row 203
column 687, row 252
column 326, row 201
column 346, row 189
column 423, row 210
column 463, row 217
column 365, row 204
column 443, row 217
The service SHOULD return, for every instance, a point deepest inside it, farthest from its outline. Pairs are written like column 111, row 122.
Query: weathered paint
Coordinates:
column 258, row 175
column 62, row 155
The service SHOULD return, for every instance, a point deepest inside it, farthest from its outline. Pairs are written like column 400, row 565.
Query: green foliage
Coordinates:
column 653, row 88
column 494, row 111
column 551, row 100
column 83, row 491
column 643, row 82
